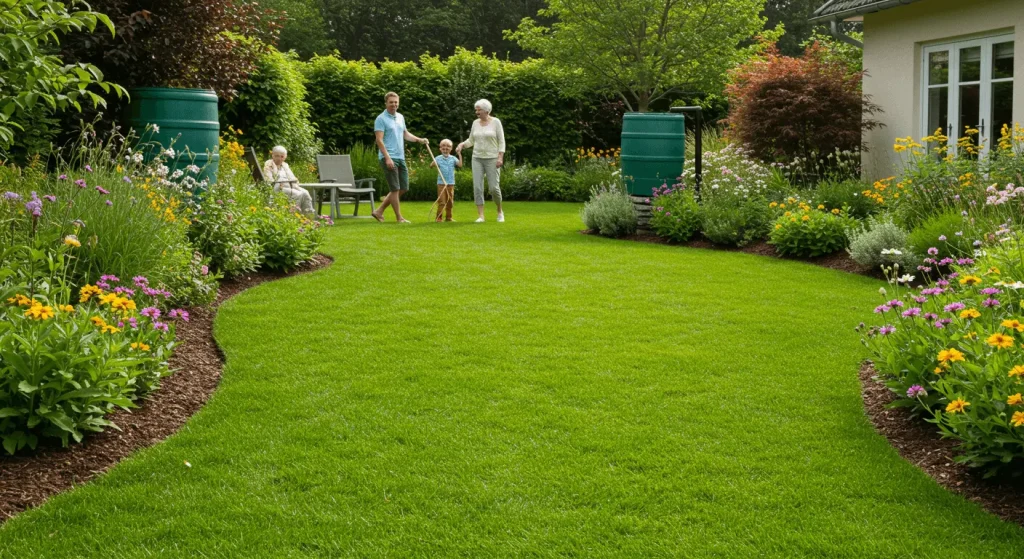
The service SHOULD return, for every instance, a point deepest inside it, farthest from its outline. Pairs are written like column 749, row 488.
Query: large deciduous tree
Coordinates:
column 643, row 50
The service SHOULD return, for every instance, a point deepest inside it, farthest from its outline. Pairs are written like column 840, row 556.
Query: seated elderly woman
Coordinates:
column 280, row 175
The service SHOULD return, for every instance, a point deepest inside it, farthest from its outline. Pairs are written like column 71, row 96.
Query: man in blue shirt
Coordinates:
column 391, row 135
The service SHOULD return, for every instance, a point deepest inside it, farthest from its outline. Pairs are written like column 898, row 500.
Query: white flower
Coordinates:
column 906, row 278
column 169, row 152
column 177, row 174
column 156, row 128
column 192, row 169
column 882, row 291
column 893, row 251
column 162, row 170
column 137, row 157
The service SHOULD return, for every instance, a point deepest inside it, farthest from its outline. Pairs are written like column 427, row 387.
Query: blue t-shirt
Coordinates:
column 394, row 134
column 446, row 163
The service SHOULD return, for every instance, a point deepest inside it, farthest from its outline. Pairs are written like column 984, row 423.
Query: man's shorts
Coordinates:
column 398, row 179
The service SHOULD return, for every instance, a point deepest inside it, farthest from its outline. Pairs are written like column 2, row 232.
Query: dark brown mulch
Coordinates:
column 28, row 480
column 838, row 261
column 919, row 443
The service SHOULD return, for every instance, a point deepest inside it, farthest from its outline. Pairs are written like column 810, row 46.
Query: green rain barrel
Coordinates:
column 188, row 117
column 653, row 147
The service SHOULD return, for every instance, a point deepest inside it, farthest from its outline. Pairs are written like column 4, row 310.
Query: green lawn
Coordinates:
column 519, row 389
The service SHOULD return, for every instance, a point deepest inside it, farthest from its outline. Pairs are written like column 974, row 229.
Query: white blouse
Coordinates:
column 487, row 140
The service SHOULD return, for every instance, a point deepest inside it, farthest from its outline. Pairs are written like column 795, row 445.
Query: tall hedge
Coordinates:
column 538, row 108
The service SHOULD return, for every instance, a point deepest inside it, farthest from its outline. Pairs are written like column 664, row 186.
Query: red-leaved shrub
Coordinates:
column 783, row 107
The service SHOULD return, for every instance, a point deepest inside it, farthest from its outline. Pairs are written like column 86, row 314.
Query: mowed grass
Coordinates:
column 519, row 389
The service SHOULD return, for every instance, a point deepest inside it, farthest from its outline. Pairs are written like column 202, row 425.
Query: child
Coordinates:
column 446, row 163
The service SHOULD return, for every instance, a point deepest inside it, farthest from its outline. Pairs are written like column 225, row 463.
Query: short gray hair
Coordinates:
column 279, row 149
column 484, row 105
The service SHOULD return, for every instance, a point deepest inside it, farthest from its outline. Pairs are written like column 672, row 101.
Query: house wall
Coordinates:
column 893, row 42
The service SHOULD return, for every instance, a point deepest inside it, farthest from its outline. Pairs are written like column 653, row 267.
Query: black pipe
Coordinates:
column 698, row 148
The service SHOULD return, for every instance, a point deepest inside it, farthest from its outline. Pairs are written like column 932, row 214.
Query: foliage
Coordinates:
column 286, row 236
column 793, row 15
column 732, row 172
column 675, row 213
column 222, row 232
column 609, row 211
column 806, row 231
column 272, row 110
column 783, row 108
column 951, row 351
column 538, row 183
column 946, row 234
column 834, row 49
column 845, row 194
column 179, row 43
column 881, row 243
column 187, row 276
column 33, row 80
column 644, row 49
column 735, row 221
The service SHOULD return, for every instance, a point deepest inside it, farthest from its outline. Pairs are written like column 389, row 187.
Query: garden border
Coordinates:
column 28, row 480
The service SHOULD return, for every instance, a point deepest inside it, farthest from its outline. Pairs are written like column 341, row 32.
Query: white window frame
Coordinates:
column 955, row 127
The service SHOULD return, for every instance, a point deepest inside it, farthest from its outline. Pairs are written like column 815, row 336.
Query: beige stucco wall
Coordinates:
column 893, row 40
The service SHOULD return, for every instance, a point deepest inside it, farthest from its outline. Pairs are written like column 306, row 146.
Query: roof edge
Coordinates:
column 820, row 17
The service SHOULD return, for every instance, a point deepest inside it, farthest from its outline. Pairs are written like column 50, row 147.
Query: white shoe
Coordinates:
column 479, row 220
column 501, row 218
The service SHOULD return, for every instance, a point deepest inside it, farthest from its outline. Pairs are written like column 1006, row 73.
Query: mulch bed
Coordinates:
column 919, row 443
column 28, row 480
column 839, row 261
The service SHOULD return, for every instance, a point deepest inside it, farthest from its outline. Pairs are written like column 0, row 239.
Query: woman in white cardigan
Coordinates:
column 487, row 138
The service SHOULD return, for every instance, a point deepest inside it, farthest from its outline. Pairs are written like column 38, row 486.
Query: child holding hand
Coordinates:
column 446, row 163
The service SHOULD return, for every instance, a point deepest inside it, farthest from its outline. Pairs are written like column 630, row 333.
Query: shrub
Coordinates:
column 948, row 232
column 880, row 243
column 847, row 194
column 590, row 169
column 188, row 278
column 810, row 232
column 951, row 351
column 287, row 237
column 733, row 172
column 223, row 232
column 735, row 221
column 271, row 109
column 609, row 211
column 675, row 214
column 783, row 108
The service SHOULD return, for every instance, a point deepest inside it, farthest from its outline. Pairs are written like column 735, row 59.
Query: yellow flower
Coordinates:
column 971, row 335
column 1018, row 418
column 939, row 370
column 39, row 312
column 970, row 280
column 821, row 206
column 97, row 321
column 123, row 304
column 969, row 313
column 1015, row 400
column 108, row 329
column 73, row 241
column 1000, row 341
column 773, row 204
column 67, row 308
column 21, row 301
column 805, row 218
column 1013, row 324
column 993, row 270
column 957, row 405
column 1017, row 371
column 778, row 226
column 140, row 346
column 782, row 206
column 787, row 214
column 88, row 291
column 835, row 211
column 109, row 298
column 950, row 355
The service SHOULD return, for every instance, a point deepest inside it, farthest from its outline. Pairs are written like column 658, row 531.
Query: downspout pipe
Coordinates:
column 840, row 36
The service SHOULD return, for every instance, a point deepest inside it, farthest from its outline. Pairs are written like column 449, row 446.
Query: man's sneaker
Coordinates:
column 501, row 218
column 479, row 220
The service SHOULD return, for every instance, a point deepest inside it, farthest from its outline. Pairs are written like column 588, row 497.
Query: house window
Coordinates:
column 968, row 85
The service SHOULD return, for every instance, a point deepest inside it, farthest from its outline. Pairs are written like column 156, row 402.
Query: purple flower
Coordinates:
column 925, row 269
column 120, row 324
column 34, row 206
column 880, row 309
column 942, row 237
column 920, row 299
column 126, row 179
column 977, row 243
column 942, row 283
column 80, row 183
column 50, row 198
column 204, row 269
column 160, row 326
column 102, row 190
column 109, row 203
column 63, row 177
column 668, row 214
column 179, row 313
column 953, row 307
column 895, row 303
column 965, row 261
column 88, row 168
column 933, row 291
column 140, row 281
column 108, row 277
column 930, row 316
column 989, row 291
column 151, row 312
column 954, row 275
column 916, row 391
column 933, row 251
column 990, row 302
column 946, row 261
column 133, row 322
column 102, row 285
column 939, row 324
column 945, row 321
column 125, row 290
column 886, row 330
column 12, row 196
column 930, row 261
column 911, row 312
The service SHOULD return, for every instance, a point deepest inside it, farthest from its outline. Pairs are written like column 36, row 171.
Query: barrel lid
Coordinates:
column 652, row 116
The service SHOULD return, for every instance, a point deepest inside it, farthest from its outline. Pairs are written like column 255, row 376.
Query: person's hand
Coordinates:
column 424, row 141
column 458, row 149
column 501, row 161
column 389, row 163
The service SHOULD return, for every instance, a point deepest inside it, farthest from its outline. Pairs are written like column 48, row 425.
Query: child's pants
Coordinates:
column 445, row 201
column 489, row 168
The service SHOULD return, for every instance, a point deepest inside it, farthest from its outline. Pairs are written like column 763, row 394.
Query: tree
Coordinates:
column 31, row 75
column 643, row 50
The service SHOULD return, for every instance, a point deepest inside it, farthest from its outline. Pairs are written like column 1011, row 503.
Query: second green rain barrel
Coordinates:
column 653, row 149
column 190, row 113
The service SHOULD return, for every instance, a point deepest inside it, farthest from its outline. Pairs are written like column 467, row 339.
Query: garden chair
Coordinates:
column 255, row 166
column 338, row 169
